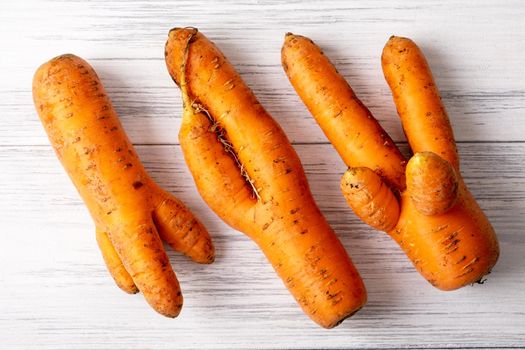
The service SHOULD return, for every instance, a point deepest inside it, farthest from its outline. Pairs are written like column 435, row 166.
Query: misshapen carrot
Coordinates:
column 432, row 183
column 346, row 122
column 370, row 198
column 115, row 267
column 130, row 211
column 248, row 173
column 440, row 227
column 425, row 120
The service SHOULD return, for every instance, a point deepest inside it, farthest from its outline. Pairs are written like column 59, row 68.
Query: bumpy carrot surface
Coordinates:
column 440, row 226
column 129, row 209
column 417, row 99
column 247, row 171
column 432, row 183
column 114, row 264
column 346, row 122
column 370, row 198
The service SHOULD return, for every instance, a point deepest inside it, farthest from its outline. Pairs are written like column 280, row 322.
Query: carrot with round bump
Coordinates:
column 249, row 174
column 424, row 205
column 432, row 183
column 129, row 209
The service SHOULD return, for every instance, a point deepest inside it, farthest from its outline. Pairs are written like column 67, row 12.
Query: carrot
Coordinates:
column 432, row 183
column 130, row 211
column 114, row 264
column 370, row 198
column 440, row 226
column 248, row 173
column 417, row 100
column 346, row 122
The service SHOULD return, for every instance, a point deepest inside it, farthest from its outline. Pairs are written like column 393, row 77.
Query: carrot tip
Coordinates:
column 174, row 29
column 64, row 56
column 398, row 39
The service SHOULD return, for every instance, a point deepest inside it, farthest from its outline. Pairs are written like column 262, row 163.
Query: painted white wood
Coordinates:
column 476, row 50
column 55, row 292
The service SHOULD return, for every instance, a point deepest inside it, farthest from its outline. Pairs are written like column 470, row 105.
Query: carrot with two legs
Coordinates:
column 131, row 212
column 423, row 204
column 248, row 173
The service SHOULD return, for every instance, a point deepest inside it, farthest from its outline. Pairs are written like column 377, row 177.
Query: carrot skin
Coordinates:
column 221, row 186
column 279, row 212
column 370, row 198
column 92, row 146
column 181, row 230
column 234, row 107
column 345, row 120
column 440, row 227
column 432, row 183
column 425, row 120
column 453, row 249
column 114, row 264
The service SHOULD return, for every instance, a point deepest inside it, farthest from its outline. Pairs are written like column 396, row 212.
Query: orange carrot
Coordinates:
column 370, row 198
column 440, row 226
column 130, row 211
column 417, row 99
column 114, row 264
column 432, row 183
column 248, row 173
column 346, row 122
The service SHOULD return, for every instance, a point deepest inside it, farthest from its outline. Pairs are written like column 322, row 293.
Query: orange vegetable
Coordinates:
column 248, row 173
column 346, row 122
column 440, row 226
column 130, row 211
column 432, row 183
column 417, row 100
column 373, row 201
column 114, row 264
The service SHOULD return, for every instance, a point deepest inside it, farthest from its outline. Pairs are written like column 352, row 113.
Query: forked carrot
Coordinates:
column 129, row 209
column 248, row 173
column 440, row 226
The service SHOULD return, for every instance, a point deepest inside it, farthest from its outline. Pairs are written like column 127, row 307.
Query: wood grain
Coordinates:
column 56, row 293
column 59, row 290
column 474, row 48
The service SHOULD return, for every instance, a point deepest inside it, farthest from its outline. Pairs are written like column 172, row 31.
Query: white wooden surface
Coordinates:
column 55, row 292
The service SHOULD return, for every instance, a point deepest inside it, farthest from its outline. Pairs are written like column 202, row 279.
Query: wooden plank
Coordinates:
column 55, row 291
column 471, row 47
column 56, row 294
